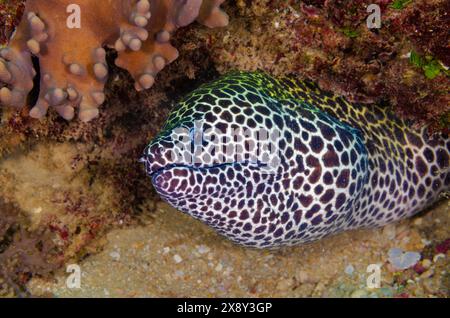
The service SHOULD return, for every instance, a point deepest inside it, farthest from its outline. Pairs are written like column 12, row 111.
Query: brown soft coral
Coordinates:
column 72, row 64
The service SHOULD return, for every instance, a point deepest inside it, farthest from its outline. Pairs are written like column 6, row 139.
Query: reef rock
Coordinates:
column 69, row 38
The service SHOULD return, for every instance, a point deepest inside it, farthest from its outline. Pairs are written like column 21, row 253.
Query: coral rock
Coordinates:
column 70, row 40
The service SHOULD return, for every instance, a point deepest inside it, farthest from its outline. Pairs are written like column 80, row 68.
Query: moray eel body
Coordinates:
column 340, row 165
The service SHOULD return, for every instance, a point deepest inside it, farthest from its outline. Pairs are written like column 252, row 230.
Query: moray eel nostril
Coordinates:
column 336, row 165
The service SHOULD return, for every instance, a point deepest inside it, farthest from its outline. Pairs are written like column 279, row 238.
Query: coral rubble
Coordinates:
column 70, row 39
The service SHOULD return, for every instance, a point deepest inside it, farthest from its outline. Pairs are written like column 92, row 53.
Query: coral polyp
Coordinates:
column 69, row 39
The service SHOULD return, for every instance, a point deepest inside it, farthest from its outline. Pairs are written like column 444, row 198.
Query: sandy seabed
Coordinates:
column 173, row 255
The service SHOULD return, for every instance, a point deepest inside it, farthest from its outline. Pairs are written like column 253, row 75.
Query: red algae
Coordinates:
column 10, row 13
column 329, row 42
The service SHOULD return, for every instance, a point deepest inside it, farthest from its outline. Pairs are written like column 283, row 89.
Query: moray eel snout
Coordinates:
column 166, row 173
column 331, row 165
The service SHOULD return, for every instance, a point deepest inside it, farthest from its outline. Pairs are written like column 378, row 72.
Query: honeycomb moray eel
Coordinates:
column 341, row 165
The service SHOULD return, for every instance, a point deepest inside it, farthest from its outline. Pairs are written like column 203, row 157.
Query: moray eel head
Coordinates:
column 209, row 160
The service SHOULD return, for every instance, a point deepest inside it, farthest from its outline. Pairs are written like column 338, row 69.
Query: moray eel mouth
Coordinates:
column 175, row 178
column 174, row 181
